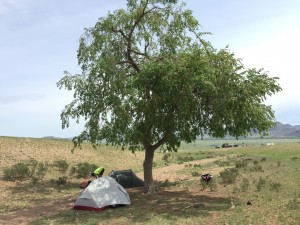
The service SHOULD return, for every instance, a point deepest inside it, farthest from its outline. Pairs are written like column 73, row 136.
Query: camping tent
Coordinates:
column 126, row 178
column 102, row 193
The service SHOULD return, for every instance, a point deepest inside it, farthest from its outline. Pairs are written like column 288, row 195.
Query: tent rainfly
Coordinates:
column 102, row 193
column 126, row 178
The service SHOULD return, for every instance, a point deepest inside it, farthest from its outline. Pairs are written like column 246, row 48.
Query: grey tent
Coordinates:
column 102, row 193
column 126, row 178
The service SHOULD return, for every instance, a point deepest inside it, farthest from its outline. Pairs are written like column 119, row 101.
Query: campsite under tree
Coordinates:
column 149, row 80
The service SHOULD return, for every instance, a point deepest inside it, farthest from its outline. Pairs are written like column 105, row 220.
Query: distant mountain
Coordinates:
column 279, row 131
column 285, row 131
column 56, row 138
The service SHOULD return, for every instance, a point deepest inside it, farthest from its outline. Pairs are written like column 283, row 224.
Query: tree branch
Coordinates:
column 121, row 32
column 159, row 143
column 138, row 53
column 129, row 37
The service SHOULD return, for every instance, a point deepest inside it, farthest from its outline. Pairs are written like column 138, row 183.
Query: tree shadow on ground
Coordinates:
column 169, row 205
column 42, row 187
column 175, row 204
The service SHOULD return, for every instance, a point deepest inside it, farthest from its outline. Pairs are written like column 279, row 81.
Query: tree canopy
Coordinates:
column 150, row 80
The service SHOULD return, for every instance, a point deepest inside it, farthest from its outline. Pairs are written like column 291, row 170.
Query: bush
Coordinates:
column 212, row 184
column 228, row 176
column 32, row 164
column 61, row 165
column 19, row 171
column 195, row 174
column 223, row 163
column 59, row 181
column 260, row 184
column 82, row 170
column 34, row 180
column 168, row 183
column 41, row 170
column 278, row 164
column 275, row 186
column 185, row 159
column 295, row 158
column 257, row 168
column 38, row 170
column 293, row 204
column 166, row 157
column 241, row 164
column 62, row 180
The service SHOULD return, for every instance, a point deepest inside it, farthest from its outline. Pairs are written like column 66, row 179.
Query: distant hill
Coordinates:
column 285, row 131
column 279, row 131
column 56, row 138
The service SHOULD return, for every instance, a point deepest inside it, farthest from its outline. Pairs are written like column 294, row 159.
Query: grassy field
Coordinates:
column 256, row 184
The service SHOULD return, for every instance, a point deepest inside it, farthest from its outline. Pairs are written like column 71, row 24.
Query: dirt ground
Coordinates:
column 169, row 173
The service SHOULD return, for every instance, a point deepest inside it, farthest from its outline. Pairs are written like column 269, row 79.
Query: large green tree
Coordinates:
column 149, row 81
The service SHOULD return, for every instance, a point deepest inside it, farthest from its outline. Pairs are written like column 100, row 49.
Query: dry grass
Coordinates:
column 23, row 194
column 14, row 150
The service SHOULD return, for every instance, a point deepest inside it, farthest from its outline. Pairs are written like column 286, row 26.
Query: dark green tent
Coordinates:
column 126, row 178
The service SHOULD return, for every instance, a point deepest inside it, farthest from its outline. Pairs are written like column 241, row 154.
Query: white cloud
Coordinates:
column 279, row 55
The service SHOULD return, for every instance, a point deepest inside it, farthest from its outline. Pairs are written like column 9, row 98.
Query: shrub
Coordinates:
column 229, row 175
column 18, row 171
column 82, row 170
column 293, row 204
column 167, row 183
column 59, row 181
column 188, row 165
column 41, row 170
column 260, row 184
column 185, row 159
column 8, row 173
column 33, row 164
column 223, row 163
column 61, row 165
column 275, row 186
column 295, row 158
column 212, row 184
column 278, row 163
column 37, row 170
column 34, row 180
column 195, row 174
column 62, row 180
column 257, row 168
column 166, row 157
column 241, row 164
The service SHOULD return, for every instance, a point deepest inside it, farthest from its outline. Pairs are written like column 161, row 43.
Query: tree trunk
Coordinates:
column 148, row 177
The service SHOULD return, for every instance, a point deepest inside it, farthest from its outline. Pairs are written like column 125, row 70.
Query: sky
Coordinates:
column 39, row 41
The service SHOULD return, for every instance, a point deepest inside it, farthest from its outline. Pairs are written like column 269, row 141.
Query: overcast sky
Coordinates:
column 39, row 40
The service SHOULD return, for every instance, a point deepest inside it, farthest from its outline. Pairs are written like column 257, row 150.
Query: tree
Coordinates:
column 150, row 81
